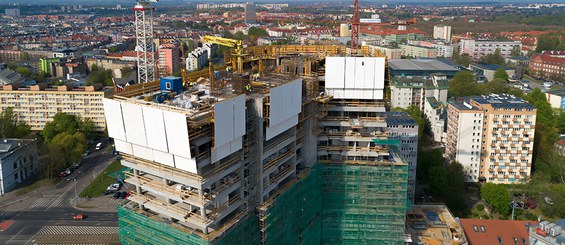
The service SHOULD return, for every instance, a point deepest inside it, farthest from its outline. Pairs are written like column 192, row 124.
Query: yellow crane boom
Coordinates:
column 237, row 45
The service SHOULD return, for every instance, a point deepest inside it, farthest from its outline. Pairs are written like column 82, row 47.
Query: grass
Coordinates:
column 35, row 185
column 101, row 182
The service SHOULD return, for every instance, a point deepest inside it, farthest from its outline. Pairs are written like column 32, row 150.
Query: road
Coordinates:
column 45, row 216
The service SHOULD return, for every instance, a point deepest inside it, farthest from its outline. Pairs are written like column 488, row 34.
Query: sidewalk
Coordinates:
column 99, row 204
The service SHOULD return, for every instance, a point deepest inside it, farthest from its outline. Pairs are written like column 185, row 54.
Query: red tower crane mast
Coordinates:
column 355, row 25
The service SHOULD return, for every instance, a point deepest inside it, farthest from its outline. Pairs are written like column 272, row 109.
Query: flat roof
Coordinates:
column 398, row 118
column 434, row 224
column 7, row 146
column 420, row 64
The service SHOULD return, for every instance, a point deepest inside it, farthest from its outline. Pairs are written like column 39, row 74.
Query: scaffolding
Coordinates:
column 294, row 216
column 137, row 227
column 363, row 204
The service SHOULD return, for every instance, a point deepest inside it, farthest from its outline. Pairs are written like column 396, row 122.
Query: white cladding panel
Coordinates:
column 276, row 108
column 296, row 91
column 335, row 72
column 177, row 133
column 220, row 152
column 155, row 128
column 380, row 66
column 350, row 72
column 359, row 72
column 123, row 146
column 281, row 127
column 114, row 119
column 236, row 144
column 286, row 104
column 369, row 79
column 223, row 122
column 379, row 95
column 142, row 152
column 185, row 164
column 239, row 117
column 164, row 158
column 133, row 122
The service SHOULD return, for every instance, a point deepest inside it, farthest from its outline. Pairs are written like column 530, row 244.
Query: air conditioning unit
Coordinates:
column 555, row 231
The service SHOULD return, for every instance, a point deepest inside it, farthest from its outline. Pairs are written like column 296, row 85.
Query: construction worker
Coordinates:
column 248, row 87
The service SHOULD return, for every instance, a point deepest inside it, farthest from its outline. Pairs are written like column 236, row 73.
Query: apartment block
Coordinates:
column 418, row 51
column 436, row 113
column 479, row 48
column 407, row 91
column 198, row 58
column 556, row 98
column 169, row 58
column 390, row 53
column 443, row 50
column 548, row 65
column 38, row 104
column 18, row 162
column 492, row 137
column 442, row 32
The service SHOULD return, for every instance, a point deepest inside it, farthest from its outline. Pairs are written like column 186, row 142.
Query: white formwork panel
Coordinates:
column 335, row 72
column 369, row 81
column 276, row 110
column 133, row 122
column 186, row 164
column 379, row 94
column 296, row 93
column 143, row 152
column 122, row 146
column 164, row 158
column 176, row 128
column 223, row 122
column 239, row 117
column 360, row 67
column 155, row 128
column 114, row 119
column 220, row 152
column 380, row 66
column 281, row 127
column 350, row 72
column 236, row 144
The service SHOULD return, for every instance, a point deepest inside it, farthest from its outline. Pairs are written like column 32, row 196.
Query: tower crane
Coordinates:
column 144, row 48
column 355, row 26
column 237, row 45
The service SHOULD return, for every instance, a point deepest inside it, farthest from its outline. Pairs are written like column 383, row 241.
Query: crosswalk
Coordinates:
column 49, row 201
column 77, row 230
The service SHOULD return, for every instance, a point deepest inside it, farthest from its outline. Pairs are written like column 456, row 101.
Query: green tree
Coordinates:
column 496, row 86
column 438, row 181
column 463, row 84
column 418, row 116
column 70, row 124
column 239, row 35
column 462, row 59
column 497, row 197
column 126, row 71
column 426, row 160
column 64, row 149
column 561, row 122
column 10, row 127
column 500, row 73
column 456, row 177
column 557, row 195
column 255, row 32
column 99, row 75
column 494, row 58
column 23, row 70
column 39, row 77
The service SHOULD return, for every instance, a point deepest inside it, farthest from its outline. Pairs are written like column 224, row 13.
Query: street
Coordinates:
column 45, row 216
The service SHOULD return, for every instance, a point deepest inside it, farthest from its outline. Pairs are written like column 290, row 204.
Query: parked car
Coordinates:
column 113, row 187
column 123, row 194
column 98, row 146
column 118, row 157
column 79, row 217
column 86, row 153
column 117, row 195
column 63, row 174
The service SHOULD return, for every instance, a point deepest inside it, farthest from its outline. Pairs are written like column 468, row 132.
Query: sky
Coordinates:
column 98, row 2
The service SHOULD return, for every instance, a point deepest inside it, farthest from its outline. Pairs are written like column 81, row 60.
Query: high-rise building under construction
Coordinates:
column 298, row 149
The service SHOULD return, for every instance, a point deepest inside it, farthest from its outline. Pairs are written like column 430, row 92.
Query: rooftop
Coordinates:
column 398, row 118
column 560, row 92
column 7, row 146
column 433, row 224
column 483, row 231
column 503, row 101
column 491, row 67
column 419, row 82
column 420, row 64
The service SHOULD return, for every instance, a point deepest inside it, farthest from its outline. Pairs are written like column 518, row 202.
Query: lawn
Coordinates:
column 101, row 182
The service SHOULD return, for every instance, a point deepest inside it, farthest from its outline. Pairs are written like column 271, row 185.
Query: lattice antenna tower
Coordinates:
column 145, row 49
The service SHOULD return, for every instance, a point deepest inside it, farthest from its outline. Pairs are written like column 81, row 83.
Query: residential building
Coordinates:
column 442, row 32
column 18, row 162
column 548, row 65
column 407, row 91
column 38, row 104
column 8, row 76
column 263, row 41
column 492, row 231
column 113, row 64
column 250, row 14
column 389, row 52
column 556, row 98
column 11, row 55
column 492, row 137
column 443, row 50
column 430, row 224
column 421, row 67
column 344, row 30
column 485, row 72
column 196, row 59
column 436, row 113
column 560, row 145
column 257, row 155
column 12, row 12
column 46, row 64
column 169, row 59
column 546, row 233
column 418, row 51
column 479, row 48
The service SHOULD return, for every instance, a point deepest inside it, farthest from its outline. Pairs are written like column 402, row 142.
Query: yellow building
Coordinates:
column 38, row 104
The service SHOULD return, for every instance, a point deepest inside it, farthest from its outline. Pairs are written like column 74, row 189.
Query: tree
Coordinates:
column 500, row 73
column 126, row 71
column 62, row 122
column 557, row 195
column 255, row 32
column 239, row 35
column 497, row 197
column 99, row 75
column 496, row 86
column 438, row 181
column 10, row 127
column 463, row 84
column 456, row 177
column 462, row 59
column 64, row 149
column 495, row 58
column 23, row 70
column 416, row 114
column 426, row 160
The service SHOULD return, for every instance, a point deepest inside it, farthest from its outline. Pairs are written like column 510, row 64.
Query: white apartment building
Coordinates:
column 198, row 58
column 18, row 162
column 479, row 48
column 436, row 112
column 492, row 137
column 407, row 91
column 442, row 32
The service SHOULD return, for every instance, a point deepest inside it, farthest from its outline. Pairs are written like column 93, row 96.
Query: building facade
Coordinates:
column 418, row 51
column 556, row 98
column 492, row 137
column 442, row 32
column 169, row 59
column 390, row 53
column 250, row 14
column 18, row 162
column 436, row 113
column 38, row 104
column 548, row 65
column 479, row 48
column 12, row 12
column 407, row 91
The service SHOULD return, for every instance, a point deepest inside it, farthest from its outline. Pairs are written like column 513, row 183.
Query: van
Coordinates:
column 547, row 85
column 98, row 146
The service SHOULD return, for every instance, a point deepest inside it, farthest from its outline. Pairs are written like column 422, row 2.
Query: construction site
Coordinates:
column 289, row 144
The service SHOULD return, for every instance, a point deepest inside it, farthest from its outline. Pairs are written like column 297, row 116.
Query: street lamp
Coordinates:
column 76, row 197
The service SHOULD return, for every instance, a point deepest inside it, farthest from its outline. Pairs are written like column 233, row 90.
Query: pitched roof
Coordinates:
column 8, row 76
column 481, row 231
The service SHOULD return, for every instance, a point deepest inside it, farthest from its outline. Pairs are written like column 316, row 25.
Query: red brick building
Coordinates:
column 549, row 65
